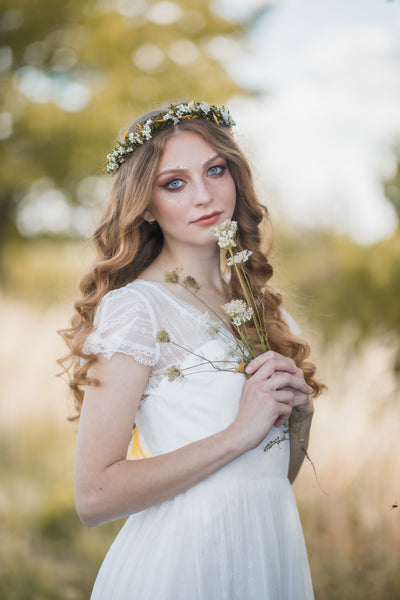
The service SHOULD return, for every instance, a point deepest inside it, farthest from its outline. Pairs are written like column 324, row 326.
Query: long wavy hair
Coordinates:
column 126, row 244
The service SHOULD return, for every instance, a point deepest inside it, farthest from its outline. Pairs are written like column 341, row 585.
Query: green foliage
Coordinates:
column 52, row 55
column 339, row 284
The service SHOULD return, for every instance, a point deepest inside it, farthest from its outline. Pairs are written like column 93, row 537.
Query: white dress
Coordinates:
column 236, row 535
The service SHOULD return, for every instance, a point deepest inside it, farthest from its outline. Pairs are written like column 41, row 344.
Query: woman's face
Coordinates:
column 193, row 191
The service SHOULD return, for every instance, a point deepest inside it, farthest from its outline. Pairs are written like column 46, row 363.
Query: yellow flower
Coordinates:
column 162, row 336
column 171, row 277
column 241, row 367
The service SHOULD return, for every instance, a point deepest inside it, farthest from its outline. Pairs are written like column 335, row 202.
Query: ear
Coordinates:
column 147, row 216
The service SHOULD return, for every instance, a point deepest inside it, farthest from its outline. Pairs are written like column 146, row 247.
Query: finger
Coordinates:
column 268, row 362
column 257, row 362
column 285, row 396
column 280, row 421
column 281, row 379
column 286, row 411
column 300, row 400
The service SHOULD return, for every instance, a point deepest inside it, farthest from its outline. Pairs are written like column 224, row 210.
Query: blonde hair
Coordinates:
column 126, row 244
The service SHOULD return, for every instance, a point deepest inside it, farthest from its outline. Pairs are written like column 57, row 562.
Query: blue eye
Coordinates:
column 216, row 170
column 174, row 184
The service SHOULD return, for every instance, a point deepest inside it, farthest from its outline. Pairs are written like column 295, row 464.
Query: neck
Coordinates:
column 202, row 263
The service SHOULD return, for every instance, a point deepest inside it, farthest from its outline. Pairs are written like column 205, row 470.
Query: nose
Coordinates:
column 201, row 193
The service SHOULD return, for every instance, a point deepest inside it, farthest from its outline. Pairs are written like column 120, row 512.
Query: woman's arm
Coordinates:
column 299, row 440
column 107, row 486
column 272, row 363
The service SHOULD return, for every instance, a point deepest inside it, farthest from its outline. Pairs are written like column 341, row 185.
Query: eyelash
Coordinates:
column 171, row 189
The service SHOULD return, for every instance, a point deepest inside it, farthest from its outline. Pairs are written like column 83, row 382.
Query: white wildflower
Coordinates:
column 173, row 115
column 225, row 234
column 183, row 108
column 238, row 312
column 226, row 116
column 147, row 129
column 239, row 257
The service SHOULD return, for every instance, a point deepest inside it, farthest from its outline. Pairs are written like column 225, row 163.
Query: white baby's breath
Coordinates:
column 238, row 312
column 145, row 130
column 239, row 257
column 225, row 234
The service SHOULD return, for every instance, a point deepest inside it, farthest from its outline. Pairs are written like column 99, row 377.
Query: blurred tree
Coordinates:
column 72, row 74
column 342, row 285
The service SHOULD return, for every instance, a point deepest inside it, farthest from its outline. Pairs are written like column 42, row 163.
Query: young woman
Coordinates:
column 211, row 514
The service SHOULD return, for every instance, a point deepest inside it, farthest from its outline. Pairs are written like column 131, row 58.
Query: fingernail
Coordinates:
column 249, row 369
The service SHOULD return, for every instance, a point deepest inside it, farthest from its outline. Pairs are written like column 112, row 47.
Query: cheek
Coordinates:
column 167, row 209
column 228, row 191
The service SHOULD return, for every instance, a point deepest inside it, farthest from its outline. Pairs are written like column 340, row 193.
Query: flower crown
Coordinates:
column 174, row 114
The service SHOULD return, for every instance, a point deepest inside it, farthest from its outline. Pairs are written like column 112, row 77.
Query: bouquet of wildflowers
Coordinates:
column 240, row 313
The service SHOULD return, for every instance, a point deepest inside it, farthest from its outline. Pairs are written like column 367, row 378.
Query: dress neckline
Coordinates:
column 185, row 304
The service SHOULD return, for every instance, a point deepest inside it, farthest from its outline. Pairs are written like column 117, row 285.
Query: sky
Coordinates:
column 323, row 132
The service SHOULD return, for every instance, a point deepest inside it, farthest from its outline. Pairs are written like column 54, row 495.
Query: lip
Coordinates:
column 208, row 219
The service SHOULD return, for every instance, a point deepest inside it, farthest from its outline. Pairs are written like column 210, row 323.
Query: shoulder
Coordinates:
column 126, row 302
column 125, row 322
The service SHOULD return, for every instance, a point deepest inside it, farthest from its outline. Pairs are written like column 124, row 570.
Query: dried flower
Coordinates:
column 239, row 257
column 190, row 282
column 171, row 277
column 238, row 311
column 162, row 336
column 173, row 373
column 241, row 368
column 225, row 234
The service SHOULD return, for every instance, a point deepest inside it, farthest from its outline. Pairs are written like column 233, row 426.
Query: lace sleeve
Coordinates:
column 124, row 323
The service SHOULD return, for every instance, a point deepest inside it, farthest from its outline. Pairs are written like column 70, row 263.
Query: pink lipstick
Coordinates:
column 208, row 219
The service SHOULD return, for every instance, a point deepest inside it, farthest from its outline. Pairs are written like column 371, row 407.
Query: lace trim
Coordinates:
column 144, row 357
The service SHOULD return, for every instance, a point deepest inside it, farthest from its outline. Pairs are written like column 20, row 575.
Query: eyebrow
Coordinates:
column 180, row 168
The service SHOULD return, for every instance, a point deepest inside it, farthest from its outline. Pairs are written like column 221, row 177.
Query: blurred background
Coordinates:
column 315, row 90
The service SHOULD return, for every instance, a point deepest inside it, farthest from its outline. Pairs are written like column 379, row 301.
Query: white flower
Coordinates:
column 183, row 108
column 225, row 234
column 239, row 257
column 147, row 129
column 238, row 312
column 225, row 114
column 173, row 115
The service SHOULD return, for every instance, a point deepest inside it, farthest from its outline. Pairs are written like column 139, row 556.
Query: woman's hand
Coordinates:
column 275, row 386
column 301, row 399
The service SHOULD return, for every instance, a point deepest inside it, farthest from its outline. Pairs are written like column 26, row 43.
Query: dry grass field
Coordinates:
column 351, row 528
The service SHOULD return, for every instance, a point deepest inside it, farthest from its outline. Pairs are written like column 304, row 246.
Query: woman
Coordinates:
column 211, row 514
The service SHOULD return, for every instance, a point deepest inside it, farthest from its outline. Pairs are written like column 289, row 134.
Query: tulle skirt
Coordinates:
column 221, row 539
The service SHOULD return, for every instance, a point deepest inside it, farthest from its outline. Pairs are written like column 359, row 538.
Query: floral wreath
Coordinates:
column 172, row 116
